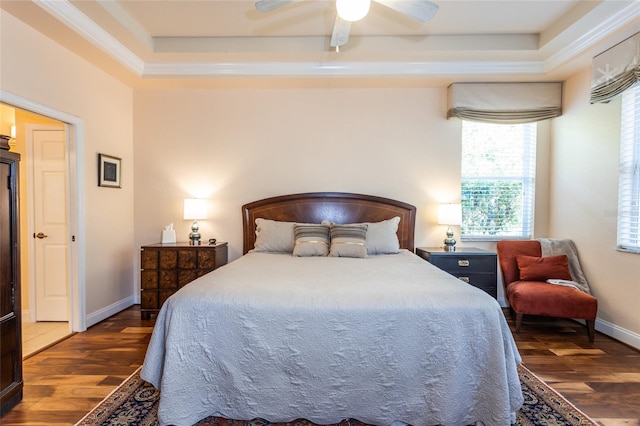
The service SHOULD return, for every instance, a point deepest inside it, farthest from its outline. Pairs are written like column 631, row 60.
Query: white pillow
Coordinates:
column 382, row 237
column 274, row 236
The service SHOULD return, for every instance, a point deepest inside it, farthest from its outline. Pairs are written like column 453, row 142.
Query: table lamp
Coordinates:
column 194, row 209
column 450, row 214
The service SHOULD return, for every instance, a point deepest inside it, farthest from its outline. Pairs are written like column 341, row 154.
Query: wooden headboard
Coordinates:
column 314, row 207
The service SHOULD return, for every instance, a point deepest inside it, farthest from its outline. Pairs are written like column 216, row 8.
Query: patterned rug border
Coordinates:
column 553, row 398
column 131, row 382
column 143, row 412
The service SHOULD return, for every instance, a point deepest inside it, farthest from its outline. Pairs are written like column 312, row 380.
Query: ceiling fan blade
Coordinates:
column 422, row 10
column 269, row 5
column 340, row 35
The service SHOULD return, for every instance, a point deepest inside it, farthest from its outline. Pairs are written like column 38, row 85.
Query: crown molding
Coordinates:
column 345, row 69
column 116, row 11
column 605, row 28
column 69, row 15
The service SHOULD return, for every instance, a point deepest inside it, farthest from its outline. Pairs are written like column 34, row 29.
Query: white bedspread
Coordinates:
column 382, row 339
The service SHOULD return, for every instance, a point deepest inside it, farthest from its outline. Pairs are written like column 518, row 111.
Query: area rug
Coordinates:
column 135, row 402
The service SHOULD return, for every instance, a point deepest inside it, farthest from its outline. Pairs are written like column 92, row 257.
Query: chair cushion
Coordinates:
column 541, row 298
column 533, row 268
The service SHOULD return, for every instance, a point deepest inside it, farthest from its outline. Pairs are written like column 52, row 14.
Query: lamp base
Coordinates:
column 449, row 242
column 194, row 235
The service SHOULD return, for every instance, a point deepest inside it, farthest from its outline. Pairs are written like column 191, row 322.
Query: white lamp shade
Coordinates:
column 352, row 10
column 195, row 208
column 450, row 214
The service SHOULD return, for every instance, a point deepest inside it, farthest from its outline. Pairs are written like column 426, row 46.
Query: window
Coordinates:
column 498, row 180
column 629, row 176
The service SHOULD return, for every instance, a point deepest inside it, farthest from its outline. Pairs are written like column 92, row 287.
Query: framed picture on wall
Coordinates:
column 109, row 171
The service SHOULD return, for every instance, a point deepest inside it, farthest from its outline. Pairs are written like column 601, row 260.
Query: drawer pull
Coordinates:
column 464, row 279
column 463, row 262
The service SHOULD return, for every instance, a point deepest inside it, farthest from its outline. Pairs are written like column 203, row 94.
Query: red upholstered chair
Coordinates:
column 540, row 297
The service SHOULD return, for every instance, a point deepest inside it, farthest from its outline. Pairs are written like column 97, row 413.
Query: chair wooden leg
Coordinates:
column 591, row 330
column 518, row 321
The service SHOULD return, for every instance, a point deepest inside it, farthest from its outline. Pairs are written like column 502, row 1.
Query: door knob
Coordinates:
column 40, row 235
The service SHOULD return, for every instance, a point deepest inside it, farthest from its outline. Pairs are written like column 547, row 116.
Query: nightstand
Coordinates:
column 472, row 265
column 165, row 268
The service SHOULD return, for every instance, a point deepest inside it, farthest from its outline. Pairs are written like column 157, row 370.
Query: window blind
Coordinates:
column 628, row 238
column 498, row 180
column 615, row 70
column 505, row 103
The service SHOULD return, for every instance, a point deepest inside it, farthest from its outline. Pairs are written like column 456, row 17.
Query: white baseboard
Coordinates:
column 108, row 311
column 623, row 335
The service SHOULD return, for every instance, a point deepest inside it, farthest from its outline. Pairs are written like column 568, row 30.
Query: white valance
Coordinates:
column 615, row 70
column 509, row 103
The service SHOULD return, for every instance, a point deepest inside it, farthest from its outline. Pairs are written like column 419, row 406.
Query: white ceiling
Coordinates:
column 202, row 42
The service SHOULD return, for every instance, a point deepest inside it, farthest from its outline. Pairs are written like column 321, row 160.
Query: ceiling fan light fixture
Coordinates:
column 352, row 10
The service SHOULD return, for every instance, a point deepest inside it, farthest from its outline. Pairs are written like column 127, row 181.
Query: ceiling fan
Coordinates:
column 353, row 10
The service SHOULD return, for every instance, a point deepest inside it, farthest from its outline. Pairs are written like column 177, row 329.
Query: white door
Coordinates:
column 51, row 237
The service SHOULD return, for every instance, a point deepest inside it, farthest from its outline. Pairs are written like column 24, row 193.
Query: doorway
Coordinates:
column 75, row 181
column 44, row 231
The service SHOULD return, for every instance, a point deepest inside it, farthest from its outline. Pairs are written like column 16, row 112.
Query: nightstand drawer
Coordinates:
column 486, row 282
column 149, row 279
column 460, row 263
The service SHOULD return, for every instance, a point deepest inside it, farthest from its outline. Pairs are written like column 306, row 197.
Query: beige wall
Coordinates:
column 236, row 146
column 40, row 71
column 583, row 199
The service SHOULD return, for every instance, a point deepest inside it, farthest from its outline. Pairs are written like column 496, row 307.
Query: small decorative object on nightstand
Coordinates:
column 165, row 268
column 449, row 214
column 474, row 266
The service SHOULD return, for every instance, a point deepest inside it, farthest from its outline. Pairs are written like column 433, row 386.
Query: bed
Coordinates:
column 384, row 338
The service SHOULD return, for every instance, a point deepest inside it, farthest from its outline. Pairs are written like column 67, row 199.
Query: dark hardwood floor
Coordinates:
column 601, row 378
column 64, row 382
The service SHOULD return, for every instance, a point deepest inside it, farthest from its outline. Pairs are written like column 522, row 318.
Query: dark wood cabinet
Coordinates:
column 10, row 312
column 474, row 266
column 165, row 268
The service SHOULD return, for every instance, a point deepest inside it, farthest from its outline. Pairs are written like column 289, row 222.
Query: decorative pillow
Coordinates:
column 274, row 236
column 348, row 240
column 543, row 268
column 311, row 240
column 382, row 237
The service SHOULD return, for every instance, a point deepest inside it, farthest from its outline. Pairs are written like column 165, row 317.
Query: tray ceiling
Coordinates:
column 466, row 40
